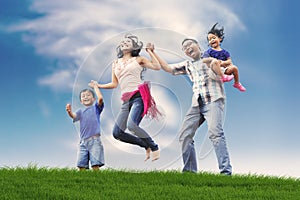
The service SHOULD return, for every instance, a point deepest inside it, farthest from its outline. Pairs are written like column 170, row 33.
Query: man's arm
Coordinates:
column 151, row 64
column 164, row 65
column 175, row 69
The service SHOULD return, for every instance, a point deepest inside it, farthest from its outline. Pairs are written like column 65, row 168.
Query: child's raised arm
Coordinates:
column 99, row 95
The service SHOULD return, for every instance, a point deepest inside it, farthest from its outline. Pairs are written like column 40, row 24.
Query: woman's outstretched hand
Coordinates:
column 93, row 83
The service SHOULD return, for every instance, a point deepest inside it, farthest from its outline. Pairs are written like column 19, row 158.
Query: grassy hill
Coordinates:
column 46, row 183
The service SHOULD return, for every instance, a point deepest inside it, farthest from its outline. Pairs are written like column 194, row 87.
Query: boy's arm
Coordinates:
column 98, row 93
column 69, row 111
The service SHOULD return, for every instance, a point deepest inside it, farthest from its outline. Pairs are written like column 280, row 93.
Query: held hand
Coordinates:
column 93, row 83
column 149, row 47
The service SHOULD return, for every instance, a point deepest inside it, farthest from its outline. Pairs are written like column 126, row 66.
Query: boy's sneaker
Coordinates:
column 227, row 78
column 239, row 86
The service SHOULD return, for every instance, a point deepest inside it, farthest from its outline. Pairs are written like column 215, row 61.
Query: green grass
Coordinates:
column 47, row 183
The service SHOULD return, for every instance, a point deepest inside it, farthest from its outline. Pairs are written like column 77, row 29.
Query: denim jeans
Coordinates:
column 130, row 117
column 213, row 113
column 90, row 149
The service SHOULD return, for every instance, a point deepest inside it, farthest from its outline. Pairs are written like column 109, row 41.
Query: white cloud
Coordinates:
column 59, row 81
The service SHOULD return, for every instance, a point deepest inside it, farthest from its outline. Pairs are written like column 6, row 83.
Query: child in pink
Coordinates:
column 216, row 57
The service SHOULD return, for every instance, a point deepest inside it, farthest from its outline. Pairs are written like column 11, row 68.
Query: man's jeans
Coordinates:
column 213, row 113
column 130, row 117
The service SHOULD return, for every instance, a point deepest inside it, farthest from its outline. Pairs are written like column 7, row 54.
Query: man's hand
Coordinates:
column 149, row 47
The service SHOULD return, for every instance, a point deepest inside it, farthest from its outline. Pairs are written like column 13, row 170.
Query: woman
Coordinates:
column 136, row 97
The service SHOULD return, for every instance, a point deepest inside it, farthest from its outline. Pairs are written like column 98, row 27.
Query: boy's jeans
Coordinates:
column 213, row 113
column 130, row 117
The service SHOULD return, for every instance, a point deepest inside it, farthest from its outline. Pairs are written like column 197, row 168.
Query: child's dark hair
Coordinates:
column 85, row 90
column 218, row 32
column 137, row 46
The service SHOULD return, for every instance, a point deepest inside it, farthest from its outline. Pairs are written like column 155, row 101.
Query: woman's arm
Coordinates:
column 207, row 60
column 152, row 64
column 113, row 84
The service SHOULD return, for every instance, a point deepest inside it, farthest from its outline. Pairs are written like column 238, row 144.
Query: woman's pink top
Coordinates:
column 128, row 74
column 129, row 77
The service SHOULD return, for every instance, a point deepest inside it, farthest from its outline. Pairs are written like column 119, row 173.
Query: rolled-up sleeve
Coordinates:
column 179, row 68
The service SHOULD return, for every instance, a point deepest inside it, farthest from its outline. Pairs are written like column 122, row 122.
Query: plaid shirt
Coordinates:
column 205, row 82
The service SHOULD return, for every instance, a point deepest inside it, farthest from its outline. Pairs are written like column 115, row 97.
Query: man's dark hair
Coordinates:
column 192, row 39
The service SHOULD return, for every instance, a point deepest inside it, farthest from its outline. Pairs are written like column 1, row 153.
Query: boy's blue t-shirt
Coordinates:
column 220, row 55
column 89, row 120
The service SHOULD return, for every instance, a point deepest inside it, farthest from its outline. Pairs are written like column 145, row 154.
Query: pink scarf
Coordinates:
column 150, row 108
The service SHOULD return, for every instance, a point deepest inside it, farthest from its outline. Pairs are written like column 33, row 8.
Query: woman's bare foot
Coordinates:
column 148, row 151
column 155, row 155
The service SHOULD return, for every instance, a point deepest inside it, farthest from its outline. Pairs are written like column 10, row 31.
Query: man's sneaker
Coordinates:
column 227, row 78
column 239, row 86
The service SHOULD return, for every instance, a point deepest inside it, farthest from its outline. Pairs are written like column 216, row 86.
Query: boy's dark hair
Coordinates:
column 137, row 46
column 85, row 90
column 218, row 32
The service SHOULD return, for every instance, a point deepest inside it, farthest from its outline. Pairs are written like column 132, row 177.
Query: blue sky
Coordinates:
column 50, row 49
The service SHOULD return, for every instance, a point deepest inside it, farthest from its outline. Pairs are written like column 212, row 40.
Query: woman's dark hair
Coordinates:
column 137, row 46
column 218, row 32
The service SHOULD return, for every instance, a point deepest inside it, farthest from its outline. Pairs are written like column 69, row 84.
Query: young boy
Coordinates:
column 90, row 146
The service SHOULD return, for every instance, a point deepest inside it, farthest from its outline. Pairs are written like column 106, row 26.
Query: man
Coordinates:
column 208, row 105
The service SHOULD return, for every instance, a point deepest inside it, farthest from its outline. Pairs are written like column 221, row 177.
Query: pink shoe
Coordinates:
column 227, row 78
column 239, row 86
